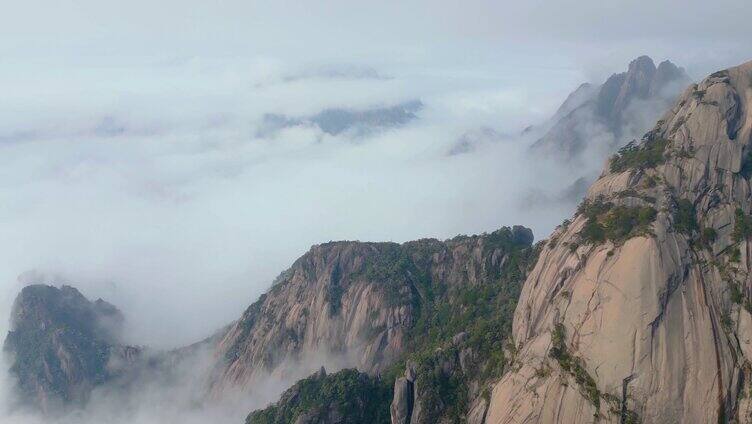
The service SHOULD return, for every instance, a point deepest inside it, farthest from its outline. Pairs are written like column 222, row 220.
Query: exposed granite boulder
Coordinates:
column 403, row 400
column 478, row 409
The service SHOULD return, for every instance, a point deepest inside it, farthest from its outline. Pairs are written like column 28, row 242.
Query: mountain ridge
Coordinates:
column 364, row 305
column 605, row 112
column 63, row 345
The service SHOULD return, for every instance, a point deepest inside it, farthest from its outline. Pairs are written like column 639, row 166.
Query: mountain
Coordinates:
column 373, row 305
column 63, row 345
column 455, row 299
column 347, row 397
column 335, row 121
column 638, row 309
column 441, row 308
column 603, row 117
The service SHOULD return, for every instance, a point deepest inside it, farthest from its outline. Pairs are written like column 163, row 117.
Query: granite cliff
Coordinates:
column 638, row 308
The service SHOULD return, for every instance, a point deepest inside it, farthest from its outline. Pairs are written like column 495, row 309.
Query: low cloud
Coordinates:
column 167, row 199
column 473, row 139
column 335, row 121
column 345, row 72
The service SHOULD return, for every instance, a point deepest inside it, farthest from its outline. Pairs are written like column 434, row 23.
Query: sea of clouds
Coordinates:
column 137, row 164
column 154, row 188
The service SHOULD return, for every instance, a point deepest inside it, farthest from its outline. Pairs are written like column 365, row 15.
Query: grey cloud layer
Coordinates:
column 164, row 199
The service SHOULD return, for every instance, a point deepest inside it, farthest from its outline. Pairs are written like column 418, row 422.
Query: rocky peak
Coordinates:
column 62, row 345
column 367, row 305
column 575, row 99
column 641, row 65
column 639, row 306
column 635, row 84
column 442, row 307
column 342, row 304
column 606, row 112
column 39, row 307
column 666, row 74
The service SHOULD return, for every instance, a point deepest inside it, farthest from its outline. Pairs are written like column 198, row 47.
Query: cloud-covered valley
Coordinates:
column 129, row 196
column 176, row 167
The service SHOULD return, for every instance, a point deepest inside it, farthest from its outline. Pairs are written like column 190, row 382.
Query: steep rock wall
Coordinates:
column 648, row 287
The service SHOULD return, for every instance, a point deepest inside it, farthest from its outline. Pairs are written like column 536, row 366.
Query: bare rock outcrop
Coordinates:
column 354, row 304
column 335, row 304
column 403, row 400
column 639, row 307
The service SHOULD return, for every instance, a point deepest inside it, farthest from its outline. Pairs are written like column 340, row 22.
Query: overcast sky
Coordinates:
column 132, row 165
column 542, row 33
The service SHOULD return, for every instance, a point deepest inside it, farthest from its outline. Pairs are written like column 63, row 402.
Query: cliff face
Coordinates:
column 331, row 303
column 355, row 304
column 458, row 298
column 63, row 345
column 602, row 117
column 639, row 307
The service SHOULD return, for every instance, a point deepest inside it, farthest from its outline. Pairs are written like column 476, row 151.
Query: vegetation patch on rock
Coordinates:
column 482, row 313
column 647, row 155
column 573, row 365
column 708, row 236
column 742, row 225
column 61, row 343
column 684, row 217
column 346, row 397
column 606, row 221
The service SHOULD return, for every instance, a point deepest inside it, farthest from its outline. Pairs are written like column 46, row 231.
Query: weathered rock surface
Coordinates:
column 603, row 117
column 323, row 307
column 404, row 397
column 468, row 283
column 662, row 311
column 355, row 302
